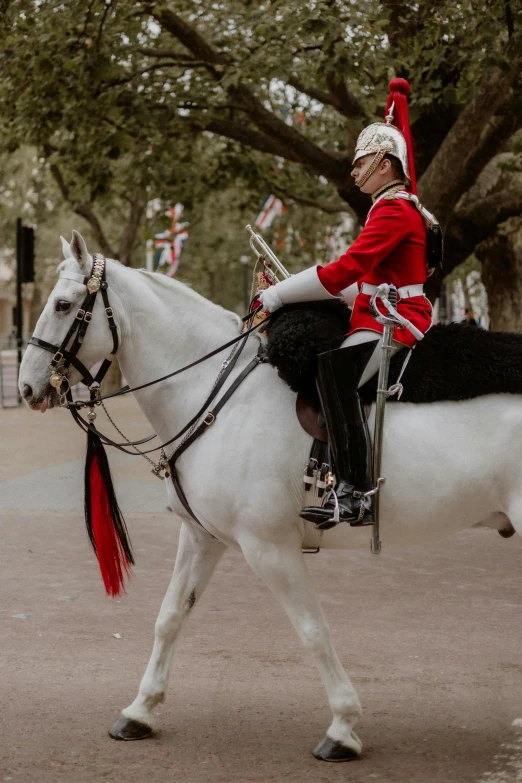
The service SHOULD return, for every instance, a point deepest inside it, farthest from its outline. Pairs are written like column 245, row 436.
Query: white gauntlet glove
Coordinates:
column 269, row 298
column 303, row 287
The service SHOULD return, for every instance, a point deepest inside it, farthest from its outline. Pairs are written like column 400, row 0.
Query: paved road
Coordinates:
column 431, row 638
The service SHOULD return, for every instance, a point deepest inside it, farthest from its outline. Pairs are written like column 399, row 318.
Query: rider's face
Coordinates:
column 375, row 180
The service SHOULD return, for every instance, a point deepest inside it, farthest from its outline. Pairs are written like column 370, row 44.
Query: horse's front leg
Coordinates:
column 198, row 555
column 284, row 571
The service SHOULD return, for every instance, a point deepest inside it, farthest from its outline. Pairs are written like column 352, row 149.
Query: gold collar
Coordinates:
column 395, row 185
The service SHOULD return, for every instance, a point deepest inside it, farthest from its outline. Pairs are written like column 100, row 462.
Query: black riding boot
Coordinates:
column 338, row 376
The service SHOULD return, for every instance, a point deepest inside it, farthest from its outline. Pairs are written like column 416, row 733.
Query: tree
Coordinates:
column 125, row 97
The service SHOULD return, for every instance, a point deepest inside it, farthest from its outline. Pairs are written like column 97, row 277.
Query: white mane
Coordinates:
column 165, row 282
column 172, row 285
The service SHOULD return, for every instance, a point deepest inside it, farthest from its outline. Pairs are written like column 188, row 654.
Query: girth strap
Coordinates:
column 207, row 422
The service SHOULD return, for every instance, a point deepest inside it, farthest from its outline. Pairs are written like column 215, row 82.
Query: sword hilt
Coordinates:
column 389, row 297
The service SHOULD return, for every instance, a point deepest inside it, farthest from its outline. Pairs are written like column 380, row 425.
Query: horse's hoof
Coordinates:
column 331, row 750
column 127, row 729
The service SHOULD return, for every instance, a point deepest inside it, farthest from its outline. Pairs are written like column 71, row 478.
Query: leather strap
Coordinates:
column 123, row 446
column 77, row 331
column 76, row 363
column 207, row 422
column 229, row 344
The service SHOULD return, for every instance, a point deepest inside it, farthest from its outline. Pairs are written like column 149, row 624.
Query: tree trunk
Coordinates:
column 501, row 257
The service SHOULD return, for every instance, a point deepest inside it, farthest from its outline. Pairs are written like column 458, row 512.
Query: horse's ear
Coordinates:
column 66, row 248
column 80, row 253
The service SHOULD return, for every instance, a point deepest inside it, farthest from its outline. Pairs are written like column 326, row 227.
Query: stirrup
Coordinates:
column 365, row 513
column 334, row 517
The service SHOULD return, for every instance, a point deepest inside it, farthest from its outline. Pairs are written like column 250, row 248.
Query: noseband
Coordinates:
column 64, row 356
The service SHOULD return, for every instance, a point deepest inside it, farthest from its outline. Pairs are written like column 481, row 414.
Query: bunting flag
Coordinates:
column 272, row 206
column 169, row 243
column 175, row 252
column 174, row 213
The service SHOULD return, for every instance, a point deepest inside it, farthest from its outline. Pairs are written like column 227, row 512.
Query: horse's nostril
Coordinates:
column 27, row 392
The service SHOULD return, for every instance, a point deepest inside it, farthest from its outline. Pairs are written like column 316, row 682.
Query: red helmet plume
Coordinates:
column 397, row 109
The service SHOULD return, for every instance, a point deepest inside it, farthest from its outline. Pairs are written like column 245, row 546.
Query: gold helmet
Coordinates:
column 383, row 138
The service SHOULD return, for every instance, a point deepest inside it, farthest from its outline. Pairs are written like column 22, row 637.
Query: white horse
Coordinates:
column 447, row 465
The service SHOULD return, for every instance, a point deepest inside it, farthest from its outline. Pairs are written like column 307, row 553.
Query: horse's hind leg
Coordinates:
column 514, row 513
column 284, row 571
column 198, row 555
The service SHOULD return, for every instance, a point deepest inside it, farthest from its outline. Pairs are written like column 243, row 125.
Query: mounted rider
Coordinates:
column 391, row 248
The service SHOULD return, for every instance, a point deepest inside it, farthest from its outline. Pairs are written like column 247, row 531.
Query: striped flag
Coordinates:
column 175, row 252
column 272, row 206
column 170, row 243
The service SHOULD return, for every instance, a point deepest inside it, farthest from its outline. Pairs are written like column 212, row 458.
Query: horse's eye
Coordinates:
column 62, row 306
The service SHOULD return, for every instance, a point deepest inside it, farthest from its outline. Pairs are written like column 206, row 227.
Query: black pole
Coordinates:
column 19, row 312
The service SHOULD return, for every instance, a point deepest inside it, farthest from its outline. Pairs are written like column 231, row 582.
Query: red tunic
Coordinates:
column 391, row 248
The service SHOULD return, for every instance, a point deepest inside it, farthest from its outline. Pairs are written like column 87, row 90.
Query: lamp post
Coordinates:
column 244, row 259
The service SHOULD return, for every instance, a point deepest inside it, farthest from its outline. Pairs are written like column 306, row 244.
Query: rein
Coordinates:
column 64, row 357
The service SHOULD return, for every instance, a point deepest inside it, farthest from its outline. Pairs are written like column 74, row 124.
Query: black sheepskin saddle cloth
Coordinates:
column 452, row 362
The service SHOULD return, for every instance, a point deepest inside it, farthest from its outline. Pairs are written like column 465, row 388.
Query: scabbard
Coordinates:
column 380, row 408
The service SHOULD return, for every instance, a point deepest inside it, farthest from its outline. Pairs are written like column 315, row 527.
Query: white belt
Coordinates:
column 405, row 292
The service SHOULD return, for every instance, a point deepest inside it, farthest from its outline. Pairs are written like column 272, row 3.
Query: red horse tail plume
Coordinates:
column 399, row 91
column 105, row 523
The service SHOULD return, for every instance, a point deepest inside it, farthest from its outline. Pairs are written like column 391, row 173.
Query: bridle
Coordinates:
column 65, row 354
column 65, row 357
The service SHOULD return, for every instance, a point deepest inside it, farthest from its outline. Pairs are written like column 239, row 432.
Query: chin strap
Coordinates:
column 371, row 168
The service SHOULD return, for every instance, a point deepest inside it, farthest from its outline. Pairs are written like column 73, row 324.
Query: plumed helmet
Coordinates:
column 391, row 137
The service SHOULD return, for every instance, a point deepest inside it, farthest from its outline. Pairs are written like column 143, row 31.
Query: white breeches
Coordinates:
column 366, row 336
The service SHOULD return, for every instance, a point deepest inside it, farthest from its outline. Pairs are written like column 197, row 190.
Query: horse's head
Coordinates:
column 57, row 317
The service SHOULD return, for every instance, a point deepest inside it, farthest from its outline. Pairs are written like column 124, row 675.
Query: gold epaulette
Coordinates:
column 392, row 193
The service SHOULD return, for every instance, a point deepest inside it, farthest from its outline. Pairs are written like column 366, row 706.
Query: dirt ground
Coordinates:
column 431, row 638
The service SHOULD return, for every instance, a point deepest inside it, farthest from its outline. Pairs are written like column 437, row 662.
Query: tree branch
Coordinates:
column 172, row 55
column 331, row 209
column 128, row 237
column 238, row 132
column 131, row 76
column 291, row 142
column 84, row 210
column 509, row 17
column 312, row 92
column 342, row 100
column 338, row 97
column 106, row 10
column 472, row 224
column 475, row 221
column 188, row 36
column 447, row 178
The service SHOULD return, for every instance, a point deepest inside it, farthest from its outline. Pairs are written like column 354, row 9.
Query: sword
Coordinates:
column 388, row 296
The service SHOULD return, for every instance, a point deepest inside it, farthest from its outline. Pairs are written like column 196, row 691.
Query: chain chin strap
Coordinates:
column 371, row 168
